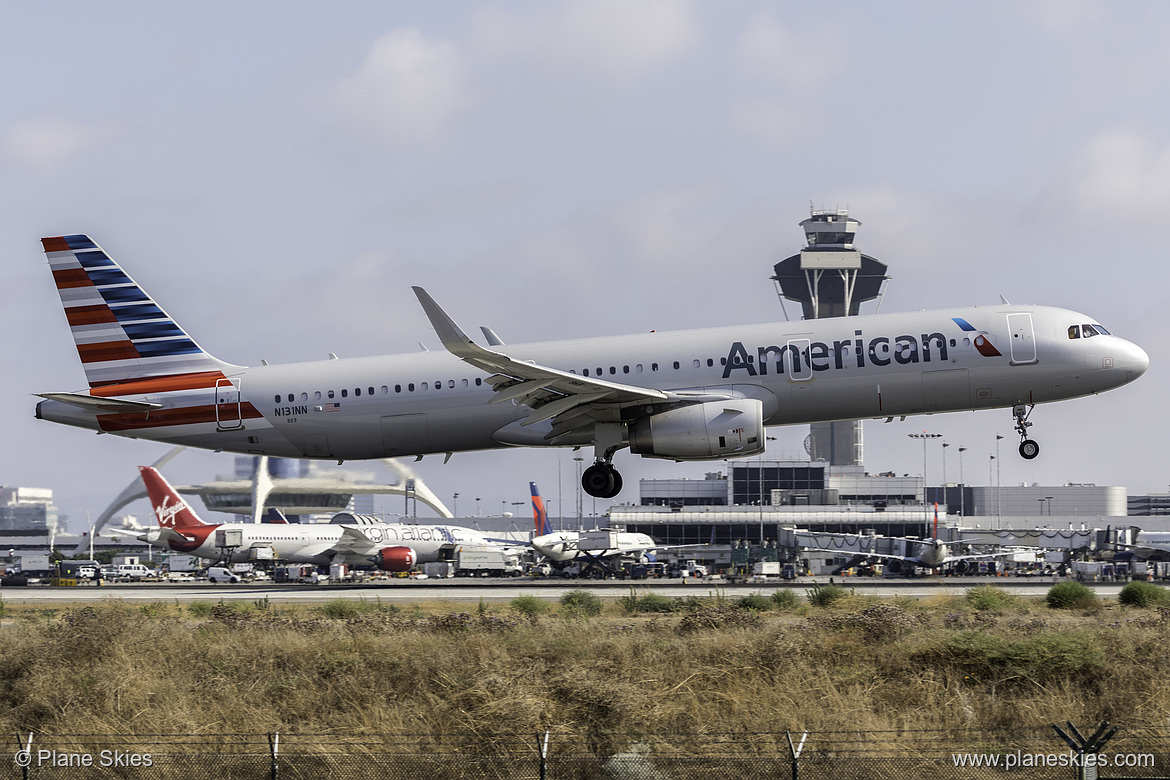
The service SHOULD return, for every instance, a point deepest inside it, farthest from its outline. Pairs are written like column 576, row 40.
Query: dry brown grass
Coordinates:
column 490, row 672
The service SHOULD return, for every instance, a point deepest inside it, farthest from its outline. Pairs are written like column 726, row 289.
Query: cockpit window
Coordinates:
column 1101, row 330
column 1088, row 330
column 1074, row 331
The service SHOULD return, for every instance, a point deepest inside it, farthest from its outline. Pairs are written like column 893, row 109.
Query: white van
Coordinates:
column 132, row 571
column 220, row 574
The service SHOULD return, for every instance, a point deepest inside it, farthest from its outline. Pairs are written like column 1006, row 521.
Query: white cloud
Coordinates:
column 1121, row 172
column 619, row 38
column 46, row 142
column 672, row 227
column 409, row 87
column 803, row 61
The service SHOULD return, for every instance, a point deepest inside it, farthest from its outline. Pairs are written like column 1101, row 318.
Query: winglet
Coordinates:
column 454, row 339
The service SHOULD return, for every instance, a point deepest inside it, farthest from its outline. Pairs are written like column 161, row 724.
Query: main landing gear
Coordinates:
column 1028, row 448
column 601, row 480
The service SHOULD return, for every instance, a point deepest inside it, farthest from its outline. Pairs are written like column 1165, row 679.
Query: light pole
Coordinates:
column 998, row 483
column 579, row 522
column 1048, row 499
column 925, row 438
column 962, row 485
column 455, row 504
column 991, row 476
column 944, row 466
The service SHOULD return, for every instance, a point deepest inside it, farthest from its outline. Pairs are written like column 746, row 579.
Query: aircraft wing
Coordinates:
column 550, row 392
column 353, row 541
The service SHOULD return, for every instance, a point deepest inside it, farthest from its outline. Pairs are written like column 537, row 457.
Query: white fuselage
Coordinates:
column 564, row 546
column 319, row 544
column 878, row 366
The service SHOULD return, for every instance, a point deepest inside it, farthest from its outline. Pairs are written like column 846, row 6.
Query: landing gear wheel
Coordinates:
column 1029, row 449
column 601, row 481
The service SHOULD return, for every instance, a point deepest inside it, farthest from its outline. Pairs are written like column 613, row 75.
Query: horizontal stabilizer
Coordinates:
column 83, row 401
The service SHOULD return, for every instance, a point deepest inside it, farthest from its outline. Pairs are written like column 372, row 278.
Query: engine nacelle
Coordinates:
column 716, row 429
column 962, row 567
column 895, row 566
column 395, row 559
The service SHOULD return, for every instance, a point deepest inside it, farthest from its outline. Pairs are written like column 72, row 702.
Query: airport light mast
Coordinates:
column 831, row 278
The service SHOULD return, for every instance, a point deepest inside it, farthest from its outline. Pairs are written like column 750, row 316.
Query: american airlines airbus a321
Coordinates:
column 684, row 395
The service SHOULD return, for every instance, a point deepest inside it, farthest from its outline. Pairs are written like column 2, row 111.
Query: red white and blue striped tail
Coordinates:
column 120, row 332
column 539, row 513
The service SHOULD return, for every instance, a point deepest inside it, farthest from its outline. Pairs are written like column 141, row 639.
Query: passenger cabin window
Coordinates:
column 330, row 393
column 1074, row 331
column 344, row 393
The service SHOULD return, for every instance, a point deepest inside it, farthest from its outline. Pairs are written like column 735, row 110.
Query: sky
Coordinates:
column 277, row 176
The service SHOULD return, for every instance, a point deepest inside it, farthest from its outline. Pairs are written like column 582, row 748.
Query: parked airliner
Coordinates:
column 564, row 547
column 684, row 395
column 932, row 553
column 355, row 540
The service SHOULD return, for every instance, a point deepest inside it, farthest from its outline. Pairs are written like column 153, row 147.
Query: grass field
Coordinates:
column 638, row 664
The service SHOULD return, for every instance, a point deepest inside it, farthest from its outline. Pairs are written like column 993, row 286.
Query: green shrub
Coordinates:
column 990, row 598
column 1070, row 595
column 757, row 602
column 824, row 595
column 654, row 602
column 581, row 603
column 200, row 609
column 785, row 599
column 344, row 609
column 1143, row 594
column 530, row 605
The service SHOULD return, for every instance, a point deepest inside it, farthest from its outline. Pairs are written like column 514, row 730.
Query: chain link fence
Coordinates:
column 940, row 755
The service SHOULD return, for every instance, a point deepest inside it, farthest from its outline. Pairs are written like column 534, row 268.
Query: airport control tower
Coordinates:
column 831, row 278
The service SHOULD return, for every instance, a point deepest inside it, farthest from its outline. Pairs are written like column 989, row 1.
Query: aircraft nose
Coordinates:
column 1135, row 360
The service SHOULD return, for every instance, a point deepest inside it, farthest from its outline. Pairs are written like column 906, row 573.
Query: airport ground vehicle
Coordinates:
column 487, row 562
column 217, row 574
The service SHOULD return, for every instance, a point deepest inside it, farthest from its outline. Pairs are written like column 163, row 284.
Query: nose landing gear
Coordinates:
column 1029, row 449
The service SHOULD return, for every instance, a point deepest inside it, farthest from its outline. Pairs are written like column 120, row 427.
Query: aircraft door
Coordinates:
column 405, row 434
column 796, row 360
column 227, row 405
column 1023, row 339
column 946, row 390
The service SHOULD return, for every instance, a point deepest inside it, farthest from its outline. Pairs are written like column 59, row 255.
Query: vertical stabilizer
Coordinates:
column 539, row 515
column 169, row 507
column 120, row 332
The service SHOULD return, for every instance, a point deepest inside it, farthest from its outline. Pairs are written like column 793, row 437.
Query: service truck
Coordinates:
column 487, row 562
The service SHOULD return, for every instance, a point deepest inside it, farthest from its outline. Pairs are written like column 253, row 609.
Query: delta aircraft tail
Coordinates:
column 539, row 514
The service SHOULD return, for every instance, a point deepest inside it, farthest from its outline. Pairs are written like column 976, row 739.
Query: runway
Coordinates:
column 468, row 590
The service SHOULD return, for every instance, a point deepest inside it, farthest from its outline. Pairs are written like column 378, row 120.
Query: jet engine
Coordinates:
column 962, row 567
column 895, row 566
column 395, row 558
column 716, row 429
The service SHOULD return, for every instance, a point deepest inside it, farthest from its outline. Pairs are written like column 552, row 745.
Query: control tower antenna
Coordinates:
column 831, row 278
